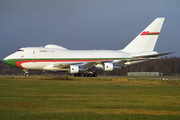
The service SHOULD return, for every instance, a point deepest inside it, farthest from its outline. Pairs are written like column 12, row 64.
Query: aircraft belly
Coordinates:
column 42, row 66
column 35, row 65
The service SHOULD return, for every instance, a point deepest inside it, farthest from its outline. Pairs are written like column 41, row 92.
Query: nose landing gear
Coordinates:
column 26, row 72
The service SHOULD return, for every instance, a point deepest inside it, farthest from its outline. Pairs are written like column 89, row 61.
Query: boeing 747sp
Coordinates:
column 85, row 62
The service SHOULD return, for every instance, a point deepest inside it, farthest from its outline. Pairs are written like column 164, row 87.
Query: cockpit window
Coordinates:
column 20, row 50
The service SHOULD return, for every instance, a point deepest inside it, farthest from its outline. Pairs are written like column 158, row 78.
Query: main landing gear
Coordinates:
column 88, row 74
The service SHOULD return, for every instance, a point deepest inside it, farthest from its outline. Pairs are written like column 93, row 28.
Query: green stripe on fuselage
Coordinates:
column 11, row 62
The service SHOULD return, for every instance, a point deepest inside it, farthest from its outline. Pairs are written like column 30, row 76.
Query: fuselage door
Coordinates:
column 55, row 59
column 99, row 57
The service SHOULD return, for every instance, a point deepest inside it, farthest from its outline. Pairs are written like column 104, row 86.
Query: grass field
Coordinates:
column 45, row 98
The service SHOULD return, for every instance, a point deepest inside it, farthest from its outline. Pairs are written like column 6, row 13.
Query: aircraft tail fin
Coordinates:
column 146, row 40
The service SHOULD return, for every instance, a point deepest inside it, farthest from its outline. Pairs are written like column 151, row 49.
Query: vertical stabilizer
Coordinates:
column 146, row 40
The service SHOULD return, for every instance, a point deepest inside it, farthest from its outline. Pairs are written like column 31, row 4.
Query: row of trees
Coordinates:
column 167, row 66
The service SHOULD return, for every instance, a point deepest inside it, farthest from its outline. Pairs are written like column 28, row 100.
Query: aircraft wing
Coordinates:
column 122, row 63
column 64, row 65
column 125, row 62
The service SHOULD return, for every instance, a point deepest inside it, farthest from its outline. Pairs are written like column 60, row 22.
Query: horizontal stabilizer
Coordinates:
column 152, row 55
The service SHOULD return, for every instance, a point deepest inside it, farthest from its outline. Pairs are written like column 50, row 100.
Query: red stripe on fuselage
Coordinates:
column 19, row 63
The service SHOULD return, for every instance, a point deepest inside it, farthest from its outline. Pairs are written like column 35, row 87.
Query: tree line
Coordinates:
column 169, row 66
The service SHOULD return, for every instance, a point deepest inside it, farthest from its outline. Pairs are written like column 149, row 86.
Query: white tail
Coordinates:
column 146, row 40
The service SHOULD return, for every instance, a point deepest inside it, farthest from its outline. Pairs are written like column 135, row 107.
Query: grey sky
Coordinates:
column 85, row 24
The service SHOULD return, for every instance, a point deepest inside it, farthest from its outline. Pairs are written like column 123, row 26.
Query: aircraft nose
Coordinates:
column 6, row 59
column 10, row 61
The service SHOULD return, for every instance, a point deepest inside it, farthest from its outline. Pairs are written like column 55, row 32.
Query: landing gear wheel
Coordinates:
column 85, row 75
column 78, row 75
column 75, row 75
column 90, row 75
column 27, row 74
column 94, row 74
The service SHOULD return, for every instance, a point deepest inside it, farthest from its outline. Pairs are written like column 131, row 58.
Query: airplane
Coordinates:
column 85, row 62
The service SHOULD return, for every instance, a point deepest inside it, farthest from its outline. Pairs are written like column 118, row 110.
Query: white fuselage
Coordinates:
column 46, row 58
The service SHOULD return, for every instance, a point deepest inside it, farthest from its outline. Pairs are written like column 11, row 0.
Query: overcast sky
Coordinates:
column 86, row 24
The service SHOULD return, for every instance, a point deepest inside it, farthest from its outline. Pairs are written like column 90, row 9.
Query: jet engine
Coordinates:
column 108, row 67
column 73, row 69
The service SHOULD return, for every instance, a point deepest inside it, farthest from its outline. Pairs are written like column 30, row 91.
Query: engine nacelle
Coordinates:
column 73, row 69
column 108, row 67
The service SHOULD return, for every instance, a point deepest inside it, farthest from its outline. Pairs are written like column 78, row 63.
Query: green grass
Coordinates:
column 45, row 98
